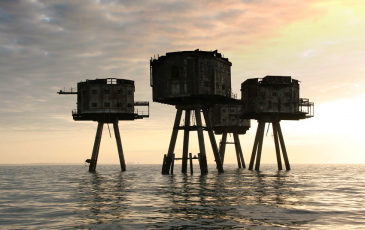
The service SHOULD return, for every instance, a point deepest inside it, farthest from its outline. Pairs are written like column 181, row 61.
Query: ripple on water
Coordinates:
column 309, row 196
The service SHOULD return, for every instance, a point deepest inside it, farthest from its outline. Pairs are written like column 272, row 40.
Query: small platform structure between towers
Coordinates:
column 107, row 101
column 224, row 121
column 270, row 100
column 191, row 81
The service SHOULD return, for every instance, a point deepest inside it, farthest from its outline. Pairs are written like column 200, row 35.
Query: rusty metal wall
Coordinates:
column 272, row 94
column 98, row 96
column 189, row 74
column 225, row 116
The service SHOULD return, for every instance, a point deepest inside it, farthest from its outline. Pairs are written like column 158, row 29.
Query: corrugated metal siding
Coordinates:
column 272, row 94
column 225, row 116
column 101, row 98
column 183, row 74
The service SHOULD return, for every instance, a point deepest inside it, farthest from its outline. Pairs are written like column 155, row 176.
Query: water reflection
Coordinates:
column 63, row 197
column 238, row 198
column 101, row 199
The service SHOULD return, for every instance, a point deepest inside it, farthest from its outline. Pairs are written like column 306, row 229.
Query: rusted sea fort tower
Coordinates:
column 270, row 100
column 224, row 121
column 106, row 101
column 191, row 81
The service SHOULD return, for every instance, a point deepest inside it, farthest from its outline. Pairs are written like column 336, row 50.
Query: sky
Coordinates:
column 48, row 45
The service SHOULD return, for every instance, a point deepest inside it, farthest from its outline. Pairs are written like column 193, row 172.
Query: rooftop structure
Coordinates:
column 187, row 77
column 107, row 101
column 192, row 81
column 274, row 97
column 270, row 100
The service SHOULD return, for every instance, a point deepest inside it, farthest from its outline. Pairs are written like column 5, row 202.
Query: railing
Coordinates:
column 75, row 111
column 137, row 112
column 227, row 93
column 141, row 103
column 233, row 95
column 142, row 113
column 306, row 107
column 303, row 106
column 68, row 91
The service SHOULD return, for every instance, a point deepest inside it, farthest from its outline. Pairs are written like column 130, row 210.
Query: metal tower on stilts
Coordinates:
column 224, row 122
column 191, row 81
column 270, row 100
column 106, row 101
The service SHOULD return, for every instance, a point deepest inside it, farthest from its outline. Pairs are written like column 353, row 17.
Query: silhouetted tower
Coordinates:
column 224, row 120
column 270, row 100
column 106, row 101
column 192, row 81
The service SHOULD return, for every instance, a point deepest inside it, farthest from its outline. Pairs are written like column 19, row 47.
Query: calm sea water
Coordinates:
column 67, row 197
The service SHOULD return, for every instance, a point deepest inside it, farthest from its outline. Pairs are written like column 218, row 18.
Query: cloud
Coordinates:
column 53, row 43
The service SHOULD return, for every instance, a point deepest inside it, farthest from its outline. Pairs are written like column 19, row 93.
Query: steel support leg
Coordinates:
column 222, row 148
column 261, row 140
column 282, row 144
column 164, row 161
column 167, row 165
column 238, row 159
column 237, row 145
column 254, row 149
column 203, row 156
column 277, row 147
column 191, row 163
column 184, row 167
column 237, row 153
column 95, row 154
column 200, row 162
column 172, row 163
column 213, row 142
column 119, row 144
